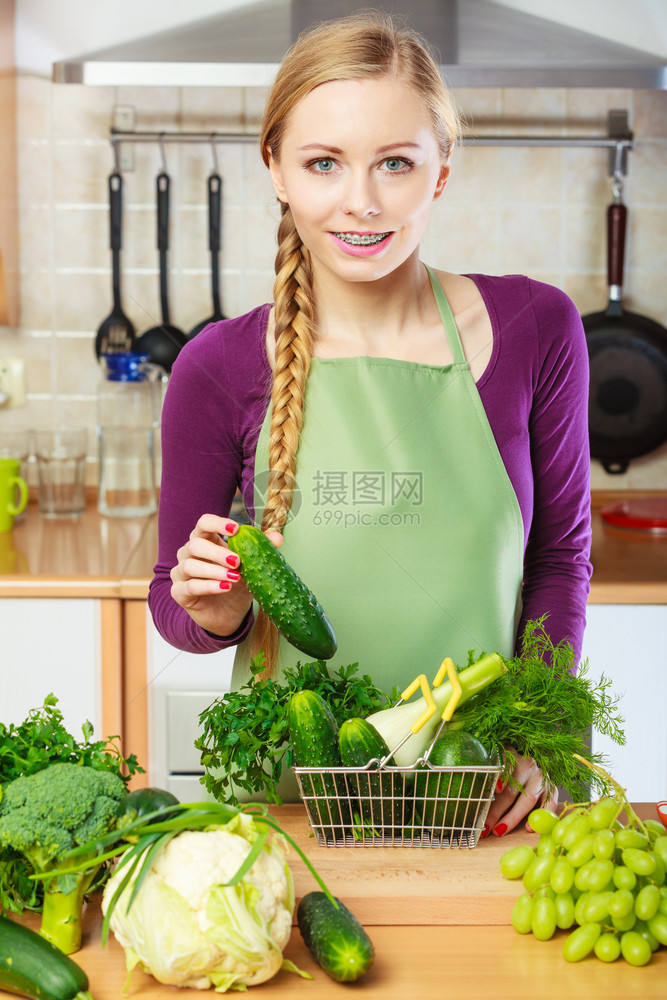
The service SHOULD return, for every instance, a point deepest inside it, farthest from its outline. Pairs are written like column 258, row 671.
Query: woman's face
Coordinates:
column 360, row 168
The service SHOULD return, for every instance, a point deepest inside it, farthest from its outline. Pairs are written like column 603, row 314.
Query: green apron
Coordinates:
column 404, row 522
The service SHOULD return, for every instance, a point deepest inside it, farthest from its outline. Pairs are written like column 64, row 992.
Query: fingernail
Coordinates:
column 485, row 831
column 500, row 785
column 233, row 575
column 225, row 585
column 230, row 527
column 232, row 559
column 499, row 829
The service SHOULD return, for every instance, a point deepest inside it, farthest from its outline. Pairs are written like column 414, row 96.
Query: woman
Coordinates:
column 425, row 432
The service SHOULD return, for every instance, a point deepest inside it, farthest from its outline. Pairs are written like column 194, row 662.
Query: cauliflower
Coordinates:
column 187, row 928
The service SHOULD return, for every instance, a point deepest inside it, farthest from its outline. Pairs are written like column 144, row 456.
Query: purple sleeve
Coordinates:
column 535, row 393
column 213, row 410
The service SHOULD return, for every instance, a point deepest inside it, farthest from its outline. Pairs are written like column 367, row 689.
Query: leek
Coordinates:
column 394, row 723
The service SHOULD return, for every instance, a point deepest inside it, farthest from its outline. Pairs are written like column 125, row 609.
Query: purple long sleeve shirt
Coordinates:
column 535, row 395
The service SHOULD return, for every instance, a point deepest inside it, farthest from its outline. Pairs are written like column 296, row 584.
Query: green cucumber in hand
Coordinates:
column 282, row 594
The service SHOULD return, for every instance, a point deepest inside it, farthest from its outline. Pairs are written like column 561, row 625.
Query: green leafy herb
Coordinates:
column 544, row 707
column 37, row 742
column 245, row 732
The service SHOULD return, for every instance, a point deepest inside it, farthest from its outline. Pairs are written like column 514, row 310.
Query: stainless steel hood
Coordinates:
column 479, row 44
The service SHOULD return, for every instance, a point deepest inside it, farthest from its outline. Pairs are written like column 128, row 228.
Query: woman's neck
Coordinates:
column 375, row 318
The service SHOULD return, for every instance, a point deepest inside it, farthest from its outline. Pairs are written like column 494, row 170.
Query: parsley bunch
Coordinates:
column 245, row 732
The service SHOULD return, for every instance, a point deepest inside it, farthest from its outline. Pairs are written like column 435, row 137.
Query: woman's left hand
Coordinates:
column 509, row 808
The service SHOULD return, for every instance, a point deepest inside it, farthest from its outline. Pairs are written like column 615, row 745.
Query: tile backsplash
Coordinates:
column 540, row 211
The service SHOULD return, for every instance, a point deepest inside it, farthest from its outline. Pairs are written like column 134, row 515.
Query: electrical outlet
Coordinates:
column 12, row 382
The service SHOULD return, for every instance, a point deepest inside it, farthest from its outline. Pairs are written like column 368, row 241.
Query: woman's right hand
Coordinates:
column 206, row 581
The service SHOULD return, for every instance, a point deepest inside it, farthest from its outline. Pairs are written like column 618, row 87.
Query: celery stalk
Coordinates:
column 393, row 723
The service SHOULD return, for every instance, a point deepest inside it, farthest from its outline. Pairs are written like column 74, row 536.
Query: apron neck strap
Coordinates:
column 447, row 317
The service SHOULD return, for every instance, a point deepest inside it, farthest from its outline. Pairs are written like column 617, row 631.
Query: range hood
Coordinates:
column 478, row 43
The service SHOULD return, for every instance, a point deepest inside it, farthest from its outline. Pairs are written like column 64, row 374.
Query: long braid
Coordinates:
column 294, row 335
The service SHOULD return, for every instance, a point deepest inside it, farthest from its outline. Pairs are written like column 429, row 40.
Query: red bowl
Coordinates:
column 662, row 812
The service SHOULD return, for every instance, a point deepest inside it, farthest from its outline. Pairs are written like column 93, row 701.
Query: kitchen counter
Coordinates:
column 94, row 556
column 472, row 952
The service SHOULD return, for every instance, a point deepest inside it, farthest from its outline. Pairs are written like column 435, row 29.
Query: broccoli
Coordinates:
column 46, row 814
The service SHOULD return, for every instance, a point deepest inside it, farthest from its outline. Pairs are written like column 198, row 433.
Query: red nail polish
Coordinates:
column 485, row 831
column 233, row 575
column 499, row 829
column 225, row 585
column 232, row 559
column 230, row 527
column 500, row 785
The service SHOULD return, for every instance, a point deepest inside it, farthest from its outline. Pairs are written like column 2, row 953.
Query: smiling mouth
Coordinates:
column 362, row 239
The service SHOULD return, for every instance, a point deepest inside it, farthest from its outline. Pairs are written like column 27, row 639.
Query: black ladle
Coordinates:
column 162, row 343
column 214, row 214
column 116, row 334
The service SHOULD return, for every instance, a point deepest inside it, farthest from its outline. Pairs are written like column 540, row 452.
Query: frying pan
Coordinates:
column 116, row 334
column 214, row 212
column 162, row 343
column 627, row 413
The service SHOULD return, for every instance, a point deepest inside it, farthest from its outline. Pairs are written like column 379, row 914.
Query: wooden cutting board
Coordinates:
column 408, row 885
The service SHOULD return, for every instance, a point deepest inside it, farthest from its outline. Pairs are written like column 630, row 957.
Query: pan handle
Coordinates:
column 617, row 215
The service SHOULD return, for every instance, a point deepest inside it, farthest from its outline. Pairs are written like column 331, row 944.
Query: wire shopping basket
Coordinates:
column 385, row 805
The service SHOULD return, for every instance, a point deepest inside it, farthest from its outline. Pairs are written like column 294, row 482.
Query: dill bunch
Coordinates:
column 544, row 707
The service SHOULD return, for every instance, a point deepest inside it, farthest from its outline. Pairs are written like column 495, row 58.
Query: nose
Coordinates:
column 360, row 197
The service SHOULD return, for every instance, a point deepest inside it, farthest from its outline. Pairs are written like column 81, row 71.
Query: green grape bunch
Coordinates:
column 594, row 877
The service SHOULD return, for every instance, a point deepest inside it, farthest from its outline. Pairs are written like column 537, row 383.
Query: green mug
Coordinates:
column 10, row 482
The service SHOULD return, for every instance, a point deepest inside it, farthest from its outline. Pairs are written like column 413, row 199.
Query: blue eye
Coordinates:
column 324, row 166
column 397, row 165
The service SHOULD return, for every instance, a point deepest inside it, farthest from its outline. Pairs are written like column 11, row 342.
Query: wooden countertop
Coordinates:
column 472, row 954
column 94, row 556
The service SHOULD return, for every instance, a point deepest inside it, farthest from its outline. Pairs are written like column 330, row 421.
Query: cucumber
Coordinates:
column 282, row 595
column 313, row 736
column 453, row 748
column 33, row 967
column 380, row 796
column 334, row 937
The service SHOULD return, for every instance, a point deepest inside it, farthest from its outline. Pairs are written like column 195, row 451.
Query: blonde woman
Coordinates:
column 415, row 439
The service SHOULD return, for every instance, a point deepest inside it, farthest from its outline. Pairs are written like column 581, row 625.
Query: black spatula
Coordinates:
column 116, row 334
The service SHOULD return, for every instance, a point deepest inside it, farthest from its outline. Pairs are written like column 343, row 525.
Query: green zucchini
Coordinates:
column 143, row 801
column 313, row 736
column 282, row 594
column 334, row 937
column 446, row 798
column 33, row 967
column 380, row 798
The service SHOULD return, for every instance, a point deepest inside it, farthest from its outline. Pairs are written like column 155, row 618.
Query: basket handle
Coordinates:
column 447, row 669
column 420, row 682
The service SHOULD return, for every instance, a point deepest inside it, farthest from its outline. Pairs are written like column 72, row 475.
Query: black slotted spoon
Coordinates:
column 116, row 334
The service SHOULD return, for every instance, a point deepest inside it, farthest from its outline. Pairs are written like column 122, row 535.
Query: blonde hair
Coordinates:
column 350, row 48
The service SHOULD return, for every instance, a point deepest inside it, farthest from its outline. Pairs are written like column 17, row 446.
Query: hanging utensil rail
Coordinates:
column 618, row 141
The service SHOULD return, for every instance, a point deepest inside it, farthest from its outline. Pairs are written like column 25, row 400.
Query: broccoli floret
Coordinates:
column 46, row 814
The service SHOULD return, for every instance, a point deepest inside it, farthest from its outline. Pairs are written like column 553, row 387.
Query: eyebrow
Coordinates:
column 382, row 149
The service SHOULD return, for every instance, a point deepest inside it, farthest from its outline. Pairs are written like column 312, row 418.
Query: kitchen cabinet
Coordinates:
column 68, row 646
column 628, row 644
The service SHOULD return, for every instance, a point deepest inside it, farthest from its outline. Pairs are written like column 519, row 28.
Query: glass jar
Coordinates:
column 129, row 404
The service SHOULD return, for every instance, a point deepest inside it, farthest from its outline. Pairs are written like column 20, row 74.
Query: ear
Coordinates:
column 276, row 177
column 443, row 177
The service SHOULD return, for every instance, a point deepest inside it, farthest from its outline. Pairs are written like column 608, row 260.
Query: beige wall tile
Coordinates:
column 139, row 238
column 33, row 97
column 215, row 109
column 588, row 291
column 156, row 108
column 475, row 175
column 649, row 170
column 585, row 240
column 534, row 111
column 463, row 238
column 80, row 171
column 82, row 301
column 35, row 180
column 650, row 114
column 76, row 369
column 35, row 237
column 528, row 174
column 80, row 237
column 530, row 239
column 36, row 300
column 81, row 112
